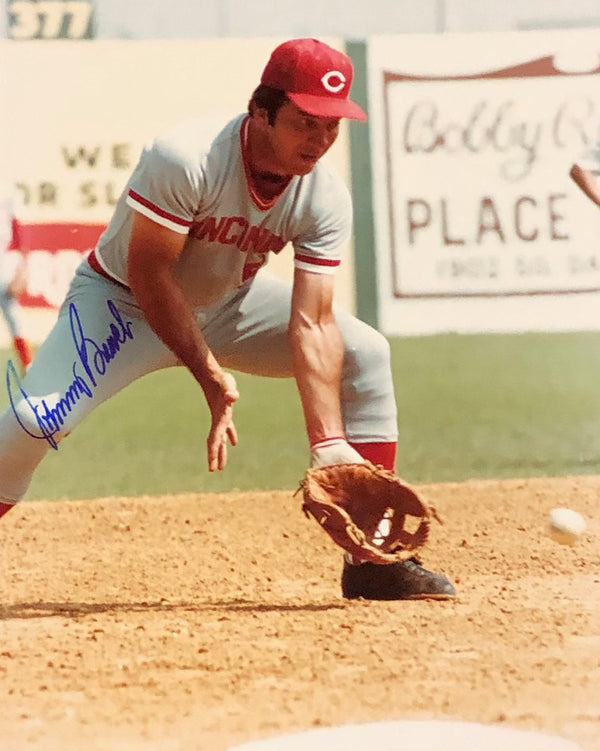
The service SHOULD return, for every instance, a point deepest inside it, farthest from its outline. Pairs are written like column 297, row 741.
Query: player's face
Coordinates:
column 299, row 140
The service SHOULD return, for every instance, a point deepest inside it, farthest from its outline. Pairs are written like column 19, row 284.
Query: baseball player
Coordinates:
column 586, row 171
column 11, row 282
column 177, row 279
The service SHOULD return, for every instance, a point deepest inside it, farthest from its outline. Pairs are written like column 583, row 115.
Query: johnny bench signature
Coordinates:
column 90, row 366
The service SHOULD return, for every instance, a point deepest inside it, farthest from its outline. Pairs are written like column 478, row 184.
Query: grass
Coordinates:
column 469, row 406
column 498, row 406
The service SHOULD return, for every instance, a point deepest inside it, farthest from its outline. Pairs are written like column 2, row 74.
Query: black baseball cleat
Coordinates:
column 404, row 580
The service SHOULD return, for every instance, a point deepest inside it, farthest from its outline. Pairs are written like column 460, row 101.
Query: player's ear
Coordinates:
column 260, row 116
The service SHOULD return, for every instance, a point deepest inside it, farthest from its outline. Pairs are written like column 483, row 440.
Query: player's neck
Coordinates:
column 269, row 178
column 268, row 184
column 262, row 168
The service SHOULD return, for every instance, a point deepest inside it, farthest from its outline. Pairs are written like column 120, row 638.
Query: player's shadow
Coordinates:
column 27, row 610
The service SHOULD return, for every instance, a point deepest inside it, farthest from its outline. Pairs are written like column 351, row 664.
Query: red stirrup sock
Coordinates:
column 23, row 350
column 5, row 508
column 383, row 454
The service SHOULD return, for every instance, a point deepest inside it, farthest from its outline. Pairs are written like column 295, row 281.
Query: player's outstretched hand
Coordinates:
column 221, row 398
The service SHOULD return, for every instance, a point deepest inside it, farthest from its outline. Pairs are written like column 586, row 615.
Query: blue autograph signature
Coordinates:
column 90, row 365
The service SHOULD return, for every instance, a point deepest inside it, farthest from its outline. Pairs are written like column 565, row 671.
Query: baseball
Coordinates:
column 566, row 525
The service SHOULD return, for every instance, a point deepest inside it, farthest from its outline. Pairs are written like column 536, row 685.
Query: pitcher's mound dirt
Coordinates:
column 203, row 621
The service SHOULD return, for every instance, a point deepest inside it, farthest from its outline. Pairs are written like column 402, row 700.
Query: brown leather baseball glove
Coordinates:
column 367, row 510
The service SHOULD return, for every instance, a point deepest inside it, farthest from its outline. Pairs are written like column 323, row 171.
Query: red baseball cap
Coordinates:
column 315, row 77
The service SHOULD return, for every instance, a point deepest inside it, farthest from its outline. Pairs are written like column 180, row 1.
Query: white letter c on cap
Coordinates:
column 334, row 81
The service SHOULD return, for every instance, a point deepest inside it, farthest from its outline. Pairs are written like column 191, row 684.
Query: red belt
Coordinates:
column 95, row 264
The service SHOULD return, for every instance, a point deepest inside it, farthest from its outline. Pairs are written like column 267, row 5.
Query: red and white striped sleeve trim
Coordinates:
column 317, row 265
column 154, row 212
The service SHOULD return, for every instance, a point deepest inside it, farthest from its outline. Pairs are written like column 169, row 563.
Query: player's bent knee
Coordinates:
column 379, row 351
column 371, row 357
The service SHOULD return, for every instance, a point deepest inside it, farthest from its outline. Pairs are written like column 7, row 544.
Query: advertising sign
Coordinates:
column 474, row 196
column 50, row 19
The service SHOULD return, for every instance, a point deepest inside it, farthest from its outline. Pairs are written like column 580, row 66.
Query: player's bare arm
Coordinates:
column 153, row 250
column 317, row 352
column 587, row 180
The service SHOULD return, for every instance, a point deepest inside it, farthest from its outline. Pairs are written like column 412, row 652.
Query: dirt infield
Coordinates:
column 201, row 621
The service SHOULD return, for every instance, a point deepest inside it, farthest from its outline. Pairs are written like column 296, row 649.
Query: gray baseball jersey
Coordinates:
column 201, row 189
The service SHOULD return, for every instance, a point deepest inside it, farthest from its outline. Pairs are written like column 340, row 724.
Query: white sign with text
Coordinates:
column 479, row 226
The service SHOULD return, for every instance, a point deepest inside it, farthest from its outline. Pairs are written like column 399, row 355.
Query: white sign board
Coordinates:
column 479, row 227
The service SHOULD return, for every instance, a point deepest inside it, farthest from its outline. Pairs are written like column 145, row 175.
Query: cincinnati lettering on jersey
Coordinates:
column 236, row 230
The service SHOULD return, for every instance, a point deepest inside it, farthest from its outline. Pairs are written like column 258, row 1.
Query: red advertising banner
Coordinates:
column 52, row 251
